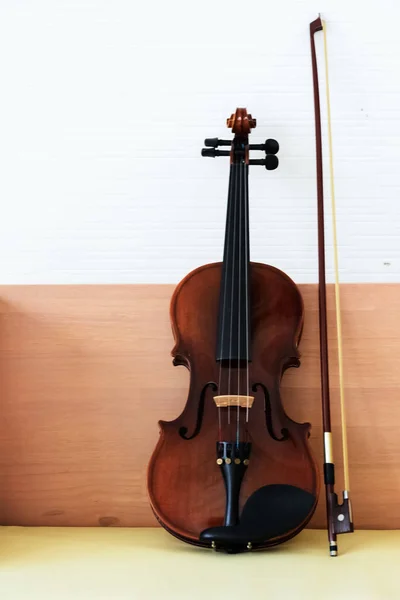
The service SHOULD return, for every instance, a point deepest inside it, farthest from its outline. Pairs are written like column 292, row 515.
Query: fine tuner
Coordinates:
column 270, row 147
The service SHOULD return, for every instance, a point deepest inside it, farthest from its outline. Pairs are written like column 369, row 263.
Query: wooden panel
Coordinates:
column 85, row 374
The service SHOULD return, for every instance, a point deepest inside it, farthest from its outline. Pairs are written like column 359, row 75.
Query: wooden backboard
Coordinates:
column 86, row 373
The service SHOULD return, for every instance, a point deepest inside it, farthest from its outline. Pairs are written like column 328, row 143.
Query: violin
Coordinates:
column 234, row 472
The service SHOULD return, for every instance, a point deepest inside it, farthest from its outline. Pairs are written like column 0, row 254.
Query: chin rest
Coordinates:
column 272, row 511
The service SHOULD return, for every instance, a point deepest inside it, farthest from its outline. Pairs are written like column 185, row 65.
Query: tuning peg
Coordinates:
column 211, row 142
column 270, row 146
column 212, row 153
column 270, row 162
column 215, row 142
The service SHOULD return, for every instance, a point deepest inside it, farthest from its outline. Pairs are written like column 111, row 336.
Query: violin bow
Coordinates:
column 339, row 516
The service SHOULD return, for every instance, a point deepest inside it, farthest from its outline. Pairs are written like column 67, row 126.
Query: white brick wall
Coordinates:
column 104, row 108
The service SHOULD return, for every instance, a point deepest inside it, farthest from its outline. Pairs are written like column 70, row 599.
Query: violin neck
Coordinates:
column 233, row 341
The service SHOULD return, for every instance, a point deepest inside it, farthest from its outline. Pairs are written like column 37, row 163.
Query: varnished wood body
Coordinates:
column 184, row 482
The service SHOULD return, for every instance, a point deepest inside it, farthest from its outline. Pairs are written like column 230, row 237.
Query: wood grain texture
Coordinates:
column 86, row 373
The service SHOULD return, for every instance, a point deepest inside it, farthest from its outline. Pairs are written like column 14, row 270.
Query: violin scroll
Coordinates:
column 241, row 122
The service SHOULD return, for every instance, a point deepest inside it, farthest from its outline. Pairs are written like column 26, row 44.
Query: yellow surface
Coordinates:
column 114, row 564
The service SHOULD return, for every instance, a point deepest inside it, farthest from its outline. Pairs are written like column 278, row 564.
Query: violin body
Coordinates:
column 234, row 472
column 185, row 486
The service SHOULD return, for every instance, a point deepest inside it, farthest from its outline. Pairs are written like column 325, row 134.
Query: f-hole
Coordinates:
column 268, row 415
column 200, row 412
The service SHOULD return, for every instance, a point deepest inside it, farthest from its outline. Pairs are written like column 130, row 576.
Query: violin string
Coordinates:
column 239, row 297
column 228, row 231
column 232, row 288
column 247, row 259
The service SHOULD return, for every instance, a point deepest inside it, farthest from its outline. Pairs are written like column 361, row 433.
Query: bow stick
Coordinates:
column 339, row 516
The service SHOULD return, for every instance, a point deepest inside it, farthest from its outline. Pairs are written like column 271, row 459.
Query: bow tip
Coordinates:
column 316, row 25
